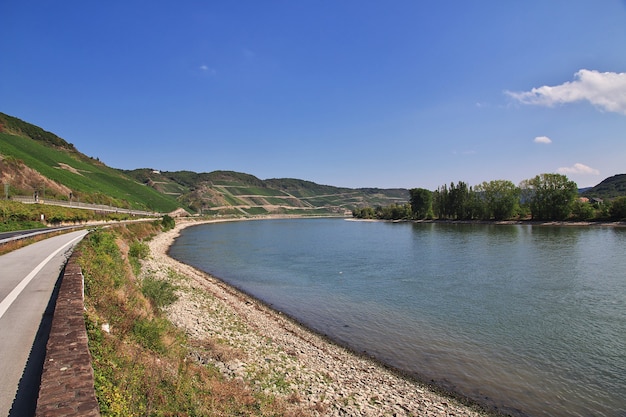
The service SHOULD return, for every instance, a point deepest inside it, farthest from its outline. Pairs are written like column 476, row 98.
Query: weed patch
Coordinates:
column 141, row 361
column 161, row 293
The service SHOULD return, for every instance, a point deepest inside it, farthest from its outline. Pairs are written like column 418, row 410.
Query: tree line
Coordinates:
column 544, row 197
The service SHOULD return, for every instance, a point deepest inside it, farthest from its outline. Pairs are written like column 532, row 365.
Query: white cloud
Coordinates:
column 578, row 168
column 542, row 139
column 208, row 70
column 605, row 90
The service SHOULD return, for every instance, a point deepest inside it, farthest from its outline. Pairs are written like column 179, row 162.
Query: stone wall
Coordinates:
column 67, row 382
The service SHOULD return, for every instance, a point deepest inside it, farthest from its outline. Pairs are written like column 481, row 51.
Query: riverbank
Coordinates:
column 252, row 342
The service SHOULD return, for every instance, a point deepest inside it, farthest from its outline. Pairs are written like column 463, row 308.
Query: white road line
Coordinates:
column 9, row 299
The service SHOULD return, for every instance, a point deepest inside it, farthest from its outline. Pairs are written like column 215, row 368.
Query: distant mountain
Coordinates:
column 229, row 192
column 33, row 160
column 611, row 187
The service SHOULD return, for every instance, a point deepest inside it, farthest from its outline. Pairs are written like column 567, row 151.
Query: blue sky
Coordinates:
column 346, row 93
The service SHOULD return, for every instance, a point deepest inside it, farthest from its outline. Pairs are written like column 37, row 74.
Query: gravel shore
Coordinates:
column 247, row 340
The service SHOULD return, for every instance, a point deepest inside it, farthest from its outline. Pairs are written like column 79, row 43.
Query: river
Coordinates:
column 530, row 320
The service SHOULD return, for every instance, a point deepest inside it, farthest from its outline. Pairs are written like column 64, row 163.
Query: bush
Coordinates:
column 167, row 223
column 138, row 250
column 618, row 209
column 161, row 293
column 149, row 334
column 582, row 211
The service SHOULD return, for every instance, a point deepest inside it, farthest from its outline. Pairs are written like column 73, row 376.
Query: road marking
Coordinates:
column 9, row 299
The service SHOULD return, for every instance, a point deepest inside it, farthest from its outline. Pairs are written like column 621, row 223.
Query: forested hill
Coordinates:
column 15, row 126
column 34, row 161
column 229, row 192
column 611, row 187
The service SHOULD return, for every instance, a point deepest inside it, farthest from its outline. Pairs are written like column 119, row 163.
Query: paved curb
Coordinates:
column 67, row 381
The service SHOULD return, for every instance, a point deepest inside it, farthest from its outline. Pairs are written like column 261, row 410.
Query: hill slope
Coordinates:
column 611, row 187
column 53, row 168
column 33, row 160
column 228, row 192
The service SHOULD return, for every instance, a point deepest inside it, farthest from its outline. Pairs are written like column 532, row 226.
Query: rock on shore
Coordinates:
column 247, row 340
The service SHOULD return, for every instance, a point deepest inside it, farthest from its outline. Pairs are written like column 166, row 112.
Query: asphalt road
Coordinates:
column 27, row 283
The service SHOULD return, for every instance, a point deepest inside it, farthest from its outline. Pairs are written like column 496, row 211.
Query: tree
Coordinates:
column 582, row 210
column 501, row 199
column 421, row 203
column 618, row 209
column 364, row 213
column 459, row 198
column 440, row 202
column 550, row 196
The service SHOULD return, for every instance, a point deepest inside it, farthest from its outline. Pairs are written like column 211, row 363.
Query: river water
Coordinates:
column 528, row 319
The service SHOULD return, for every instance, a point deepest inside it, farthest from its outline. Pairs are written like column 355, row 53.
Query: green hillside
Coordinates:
column 229, row 192
column 35, row 160
column 58, row 161
column 610, row 188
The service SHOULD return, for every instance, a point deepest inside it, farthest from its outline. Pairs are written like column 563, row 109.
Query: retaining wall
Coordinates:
column 67, row 382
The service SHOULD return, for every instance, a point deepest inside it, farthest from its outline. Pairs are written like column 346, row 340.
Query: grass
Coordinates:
column 19, row 216
column 94, row 182
column 142, row 364
column 260, row 191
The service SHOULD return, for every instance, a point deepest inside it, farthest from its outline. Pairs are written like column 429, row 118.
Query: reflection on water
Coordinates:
column 529, row 319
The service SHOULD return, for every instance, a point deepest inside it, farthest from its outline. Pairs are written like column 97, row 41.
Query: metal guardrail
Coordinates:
column 25, row 234
column 86, row 206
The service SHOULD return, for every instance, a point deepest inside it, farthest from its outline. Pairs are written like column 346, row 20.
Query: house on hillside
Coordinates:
column 179, row 212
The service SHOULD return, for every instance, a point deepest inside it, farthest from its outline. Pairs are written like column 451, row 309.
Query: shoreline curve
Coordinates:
column 328, row 379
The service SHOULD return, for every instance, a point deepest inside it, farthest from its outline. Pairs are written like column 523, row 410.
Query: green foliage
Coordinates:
column 611, row 187
column 256, row 211
column 501, row 199
column 91, row 181
column 149, row 333
column 364, row 213
column 454, row 203
column 16, row 216
column 582, row 210
column 421, row 203
column 138, row 250
column 20, row 127
column 391, row 212
column 545, row 197
column 107, row 267
column 141, row 365
column 161, row 293
column 618, row 209
column 167, row 223
column 550, row 196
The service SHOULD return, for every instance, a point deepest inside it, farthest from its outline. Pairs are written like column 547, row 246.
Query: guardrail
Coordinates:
column 26, row 234
column 85, row 206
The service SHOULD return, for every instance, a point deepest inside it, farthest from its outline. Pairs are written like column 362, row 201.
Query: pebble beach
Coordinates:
column 247, row 340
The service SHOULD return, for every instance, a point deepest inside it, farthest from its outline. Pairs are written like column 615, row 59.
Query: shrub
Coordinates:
column 149, row 334
column 167, row 222
column 161, row 293
column 582, row 211
column 618, row 209
column 138, row 250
